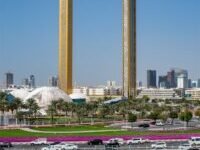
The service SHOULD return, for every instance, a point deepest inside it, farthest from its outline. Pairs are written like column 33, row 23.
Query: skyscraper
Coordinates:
column 32, row 81
column 9, row 79
column 25, row 82
column 65, row 45
column 129, row 48
column 171, row 79
column 53, row 81
column 151, row 78
column 162, row 82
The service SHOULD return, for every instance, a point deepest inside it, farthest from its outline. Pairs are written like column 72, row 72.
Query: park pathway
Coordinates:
column 68, row 132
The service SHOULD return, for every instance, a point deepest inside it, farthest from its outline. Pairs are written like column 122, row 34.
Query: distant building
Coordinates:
column 32, row 81
column 171, row 79
column 9, row 79
column 162, row 82
column 139, row 84
column 179, row 72
column 25, row 82
column 82, row 90
column 182, row 81
column 97, row 92
column 193, row 94
column 53, row 81
column 111, row 83
column 159, row 94
column 194, row 84
column 198, row 83
column 189, row 83
column 151, row 78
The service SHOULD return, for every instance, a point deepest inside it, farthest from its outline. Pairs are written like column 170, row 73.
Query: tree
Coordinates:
column 3, row 102
column 154, row 115
column 104, row 111
column 186, row 116
column 80, row 111
column 59, row 105
column 15, row 104
column 164, row 116
column 173, row 115
column 132, row 117
column 197, row 112
column 52, row 110
column 33, row 108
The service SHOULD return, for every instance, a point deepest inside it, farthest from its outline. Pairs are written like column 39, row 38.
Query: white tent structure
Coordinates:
column 44, row 96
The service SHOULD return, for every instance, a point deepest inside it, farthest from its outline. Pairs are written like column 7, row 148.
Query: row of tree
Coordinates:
column 130, row 109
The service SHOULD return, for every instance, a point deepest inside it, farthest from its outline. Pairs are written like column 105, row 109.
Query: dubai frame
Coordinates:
column 66, row 49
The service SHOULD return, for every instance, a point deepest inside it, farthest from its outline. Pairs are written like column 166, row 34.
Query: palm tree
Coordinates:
column 3, row 106
column 3, row 102
column 80, row 111
column 59, row 105
column 33, row 108
column 15, row 104
column 91, row 109
column 52, row 110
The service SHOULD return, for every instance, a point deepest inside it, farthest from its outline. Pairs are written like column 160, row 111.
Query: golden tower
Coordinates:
column 65, row 45
column 129, row 48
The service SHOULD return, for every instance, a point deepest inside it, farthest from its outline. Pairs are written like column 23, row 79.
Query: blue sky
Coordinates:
column 168, row 36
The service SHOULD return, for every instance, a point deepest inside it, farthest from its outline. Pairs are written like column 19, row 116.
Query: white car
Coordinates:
column 159, row 145
column 118, row 140
column 136, row 141
column 159, row 123
column 194, row 141
column 39, row 141
column 184, row 146
column 61, row 146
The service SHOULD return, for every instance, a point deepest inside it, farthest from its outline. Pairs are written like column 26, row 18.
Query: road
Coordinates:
column 147, row 146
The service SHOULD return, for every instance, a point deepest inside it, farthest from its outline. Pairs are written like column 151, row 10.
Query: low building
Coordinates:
column 83, row 90
column 193, row 94
column 97, row 92
column 159, row 94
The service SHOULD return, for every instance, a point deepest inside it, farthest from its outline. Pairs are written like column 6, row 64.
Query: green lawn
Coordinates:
column 20, row 133
column 75, row 128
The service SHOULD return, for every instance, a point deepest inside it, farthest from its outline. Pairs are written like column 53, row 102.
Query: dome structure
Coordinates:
column 79, row 98
column 20, row 93
column 45, row 95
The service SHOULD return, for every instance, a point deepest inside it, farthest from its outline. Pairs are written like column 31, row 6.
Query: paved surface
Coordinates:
column 147, row 146
column 89, row 131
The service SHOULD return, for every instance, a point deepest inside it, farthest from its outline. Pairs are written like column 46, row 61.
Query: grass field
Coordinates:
column 74, row 128
column 20, row 133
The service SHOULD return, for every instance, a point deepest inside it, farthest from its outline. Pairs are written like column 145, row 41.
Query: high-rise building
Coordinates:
column 182, row 81
column 129, row 48
column 171, row 79
column 9, row 79
column 179, row 72
column 25, row 82
column 194, row 84
column 151, row 78
column 111, row 83
column 139, row 84
column 65, row 45
column 198, row 83
column 32, row 81
column 162, row 82
column 189, row 83
column 53, row 81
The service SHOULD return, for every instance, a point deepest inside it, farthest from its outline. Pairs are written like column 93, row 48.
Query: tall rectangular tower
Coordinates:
column 129, row 48
column 65, row 45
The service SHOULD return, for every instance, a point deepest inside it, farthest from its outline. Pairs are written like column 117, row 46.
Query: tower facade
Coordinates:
column 129, row 48
column 65, row 45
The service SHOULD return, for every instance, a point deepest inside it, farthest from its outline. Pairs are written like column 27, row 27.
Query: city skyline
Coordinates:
column 153, row 41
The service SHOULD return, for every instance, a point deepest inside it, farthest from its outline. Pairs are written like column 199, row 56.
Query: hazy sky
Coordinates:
column 168, row 36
